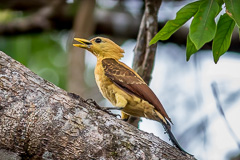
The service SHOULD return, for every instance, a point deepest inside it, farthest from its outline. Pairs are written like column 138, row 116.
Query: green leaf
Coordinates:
column 233, row 10
column 222, row 40
column 203, row 26
column 183, row 15
column 190, row 49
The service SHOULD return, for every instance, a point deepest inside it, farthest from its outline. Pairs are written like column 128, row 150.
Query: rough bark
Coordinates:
column 38, row 120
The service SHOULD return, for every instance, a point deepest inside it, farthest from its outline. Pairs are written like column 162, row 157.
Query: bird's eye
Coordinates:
column 98, row 40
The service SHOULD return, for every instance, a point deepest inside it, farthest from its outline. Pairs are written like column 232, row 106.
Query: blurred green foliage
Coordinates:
column 42, row 53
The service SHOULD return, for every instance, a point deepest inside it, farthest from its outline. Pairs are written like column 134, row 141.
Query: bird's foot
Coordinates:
column 91, row 102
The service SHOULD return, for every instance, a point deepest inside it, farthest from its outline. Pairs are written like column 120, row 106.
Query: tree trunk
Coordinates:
column 83, row 28
column 144, row 55
column 38, row 120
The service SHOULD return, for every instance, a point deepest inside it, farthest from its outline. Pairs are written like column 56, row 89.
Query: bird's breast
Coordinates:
column 103, row 82
column 135, row 106
column 107, row 87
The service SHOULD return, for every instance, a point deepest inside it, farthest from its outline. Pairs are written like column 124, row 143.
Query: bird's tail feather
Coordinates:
column 167, row 128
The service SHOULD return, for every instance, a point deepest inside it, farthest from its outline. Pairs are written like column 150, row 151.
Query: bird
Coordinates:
column 123, row 87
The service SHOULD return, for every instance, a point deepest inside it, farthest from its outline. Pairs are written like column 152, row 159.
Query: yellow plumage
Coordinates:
column 122, row 86
column 133, row 105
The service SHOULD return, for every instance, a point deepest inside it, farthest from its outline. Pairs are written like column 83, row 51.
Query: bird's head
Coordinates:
column 101, row 47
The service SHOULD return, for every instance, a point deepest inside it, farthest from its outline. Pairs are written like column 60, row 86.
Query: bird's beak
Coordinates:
column 83, row 43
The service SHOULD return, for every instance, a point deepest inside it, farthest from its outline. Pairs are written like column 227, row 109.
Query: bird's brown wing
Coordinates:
column 126, row 79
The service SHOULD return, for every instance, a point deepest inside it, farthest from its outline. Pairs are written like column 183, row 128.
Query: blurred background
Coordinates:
column 202, row 98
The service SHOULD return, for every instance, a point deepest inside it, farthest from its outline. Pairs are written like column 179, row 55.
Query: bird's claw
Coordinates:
column 92, row 102
column 105, row 109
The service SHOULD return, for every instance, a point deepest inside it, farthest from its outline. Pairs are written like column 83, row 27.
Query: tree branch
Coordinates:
column 144, row 54
column 45, row 19
column 38, row 120
column 220, row 109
